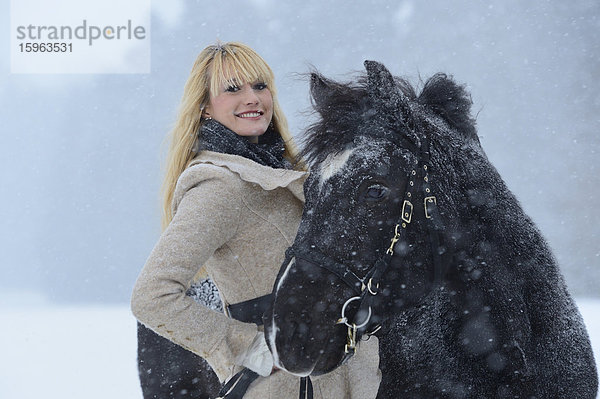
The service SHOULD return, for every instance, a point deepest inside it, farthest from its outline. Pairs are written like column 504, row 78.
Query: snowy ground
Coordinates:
column 90, row 352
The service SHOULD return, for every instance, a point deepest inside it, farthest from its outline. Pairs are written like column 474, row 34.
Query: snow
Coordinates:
column 66, row 352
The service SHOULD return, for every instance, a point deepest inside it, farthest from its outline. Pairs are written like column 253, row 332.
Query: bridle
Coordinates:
column 367, row 287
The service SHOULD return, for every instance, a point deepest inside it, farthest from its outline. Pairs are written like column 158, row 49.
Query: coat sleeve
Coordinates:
column 206, row 218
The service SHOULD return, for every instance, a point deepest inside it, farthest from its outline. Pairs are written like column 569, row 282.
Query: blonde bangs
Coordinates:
column 237, row 65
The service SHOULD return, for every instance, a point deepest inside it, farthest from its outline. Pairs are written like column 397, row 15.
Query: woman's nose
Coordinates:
column 250, row 96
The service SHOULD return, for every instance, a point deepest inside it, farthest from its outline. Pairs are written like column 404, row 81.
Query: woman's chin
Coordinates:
column 249, row 128
column 251, row 133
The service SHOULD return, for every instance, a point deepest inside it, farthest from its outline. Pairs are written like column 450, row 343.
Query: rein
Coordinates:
column 367, row 288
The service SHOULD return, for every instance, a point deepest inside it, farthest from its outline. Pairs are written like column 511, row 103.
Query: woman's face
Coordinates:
column 245, row 109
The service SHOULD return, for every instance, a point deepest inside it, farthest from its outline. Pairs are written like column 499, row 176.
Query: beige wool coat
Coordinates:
column 235, row 217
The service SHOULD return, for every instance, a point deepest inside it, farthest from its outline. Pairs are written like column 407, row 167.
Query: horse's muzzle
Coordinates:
column 302, row 334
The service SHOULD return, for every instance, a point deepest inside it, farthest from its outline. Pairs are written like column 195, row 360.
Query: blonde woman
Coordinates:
column 232, row 204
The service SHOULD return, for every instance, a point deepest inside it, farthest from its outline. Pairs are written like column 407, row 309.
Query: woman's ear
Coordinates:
column 205, row 112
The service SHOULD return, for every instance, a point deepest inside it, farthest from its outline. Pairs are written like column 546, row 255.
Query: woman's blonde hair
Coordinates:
column 216, row 67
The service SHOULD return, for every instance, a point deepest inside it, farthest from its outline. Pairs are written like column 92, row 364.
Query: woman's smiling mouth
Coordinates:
column 250, row 114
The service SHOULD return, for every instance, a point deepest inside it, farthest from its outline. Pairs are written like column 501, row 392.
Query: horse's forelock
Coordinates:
column 344, row 109
column 340, row 115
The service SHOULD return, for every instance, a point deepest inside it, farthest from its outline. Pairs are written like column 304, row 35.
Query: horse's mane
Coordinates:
column 344, row 107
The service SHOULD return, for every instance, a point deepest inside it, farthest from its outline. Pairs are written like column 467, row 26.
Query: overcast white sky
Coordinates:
column 80, row 154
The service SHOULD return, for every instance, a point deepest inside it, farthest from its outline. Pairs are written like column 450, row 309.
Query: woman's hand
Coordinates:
column 258, row 358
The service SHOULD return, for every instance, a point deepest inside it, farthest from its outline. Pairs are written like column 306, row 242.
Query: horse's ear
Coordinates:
column 389, row 98
column 451, row 101
column 320, row 89
column 384, row 91
column 380, row 80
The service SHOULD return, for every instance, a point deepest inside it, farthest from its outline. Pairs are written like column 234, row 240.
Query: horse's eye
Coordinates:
column 376, row 192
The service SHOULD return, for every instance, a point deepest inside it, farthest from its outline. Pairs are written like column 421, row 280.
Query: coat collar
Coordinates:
column 266, row 177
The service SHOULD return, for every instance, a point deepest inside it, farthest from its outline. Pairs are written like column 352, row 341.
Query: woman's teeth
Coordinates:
column 250, row 115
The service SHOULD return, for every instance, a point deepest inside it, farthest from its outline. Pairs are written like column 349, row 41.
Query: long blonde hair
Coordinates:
column 216, row 66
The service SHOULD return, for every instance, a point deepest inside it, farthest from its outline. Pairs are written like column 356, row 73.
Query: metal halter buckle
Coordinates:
column 429, row 200
column 407, row 209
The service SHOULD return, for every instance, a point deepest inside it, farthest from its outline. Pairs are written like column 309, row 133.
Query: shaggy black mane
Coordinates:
column 345, row 107
column 451, row 101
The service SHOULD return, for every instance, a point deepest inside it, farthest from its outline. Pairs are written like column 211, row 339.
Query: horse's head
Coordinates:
column 368, row 184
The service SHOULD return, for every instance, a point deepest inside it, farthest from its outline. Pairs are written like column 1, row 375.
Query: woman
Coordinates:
column 232, row 204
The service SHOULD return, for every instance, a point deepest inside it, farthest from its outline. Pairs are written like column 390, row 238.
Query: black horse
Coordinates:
column 410, row 229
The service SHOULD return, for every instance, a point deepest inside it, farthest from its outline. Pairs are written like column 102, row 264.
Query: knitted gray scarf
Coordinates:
column 213, row 136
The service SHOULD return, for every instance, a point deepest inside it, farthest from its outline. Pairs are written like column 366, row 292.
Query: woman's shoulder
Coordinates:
column 233, row 173
column 247, row 170
column 202, row 169
column 206, row 185
column 211, row 176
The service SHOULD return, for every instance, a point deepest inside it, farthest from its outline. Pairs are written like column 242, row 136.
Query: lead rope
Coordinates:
column 237, row 385
column 306, row 388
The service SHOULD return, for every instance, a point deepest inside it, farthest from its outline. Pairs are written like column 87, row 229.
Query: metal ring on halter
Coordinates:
column 344, row 319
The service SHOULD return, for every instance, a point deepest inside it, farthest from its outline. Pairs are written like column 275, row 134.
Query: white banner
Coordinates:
column 75, row 36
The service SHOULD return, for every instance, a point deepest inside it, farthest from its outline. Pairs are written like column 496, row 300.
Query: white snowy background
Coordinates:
column 80, row 154
column 58, row 352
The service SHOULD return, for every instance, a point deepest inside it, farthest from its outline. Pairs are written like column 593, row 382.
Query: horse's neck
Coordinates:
column 412, row 342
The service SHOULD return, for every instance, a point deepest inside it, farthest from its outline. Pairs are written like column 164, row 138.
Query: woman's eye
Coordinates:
column 232, row 89
column 259, row 86
column 376, row 192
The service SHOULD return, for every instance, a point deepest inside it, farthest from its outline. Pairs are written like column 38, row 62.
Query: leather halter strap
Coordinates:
column 418, row 181
column 325, row 262
column 366, row 288
column 250, row 311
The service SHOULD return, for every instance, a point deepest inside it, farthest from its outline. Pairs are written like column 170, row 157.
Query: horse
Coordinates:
column 410, row 234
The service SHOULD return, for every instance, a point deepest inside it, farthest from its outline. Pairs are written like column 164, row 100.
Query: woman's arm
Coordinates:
column 206, row 219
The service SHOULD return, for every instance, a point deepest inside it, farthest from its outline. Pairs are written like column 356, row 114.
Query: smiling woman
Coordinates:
column 232, row 204
column 246, row 109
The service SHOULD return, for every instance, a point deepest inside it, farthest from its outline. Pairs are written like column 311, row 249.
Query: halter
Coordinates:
column 367, row 288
